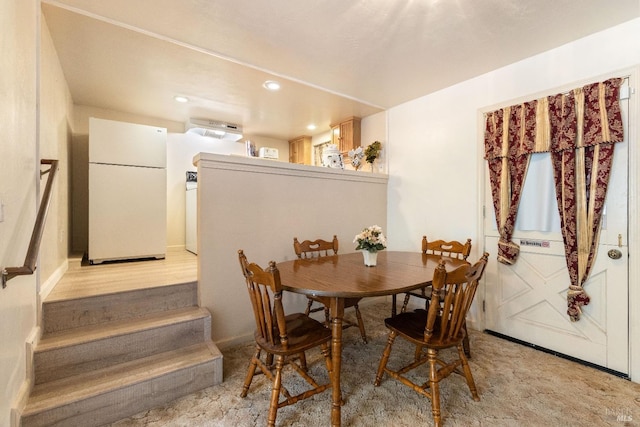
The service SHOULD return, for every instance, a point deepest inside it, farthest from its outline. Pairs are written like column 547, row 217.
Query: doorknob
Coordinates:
column 614, row 254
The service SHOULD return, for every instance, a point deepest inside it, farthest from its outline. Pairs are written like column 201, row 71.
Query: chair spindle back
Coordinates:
column 453, row 293
column 316, row 248
column 263, row 285
column 452, row 249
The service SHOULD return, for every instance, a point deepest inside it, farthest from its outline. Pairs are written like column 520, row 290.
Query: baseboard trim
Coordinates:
column 48, row 285
column 20, row 402
column 558, row 354
column 235, row 341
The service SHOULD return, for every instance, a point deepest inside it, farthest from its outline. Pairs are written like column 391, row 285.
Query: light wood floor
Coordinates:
column 82, row 279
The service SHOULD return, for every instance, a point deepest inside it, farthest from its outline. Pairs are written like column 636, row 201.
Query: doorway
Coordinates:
column 527, row 300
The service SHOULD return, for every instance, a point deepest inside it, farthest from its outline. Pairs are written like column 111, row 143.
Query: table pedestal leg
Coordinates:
column 337, row 314
column 393, row 305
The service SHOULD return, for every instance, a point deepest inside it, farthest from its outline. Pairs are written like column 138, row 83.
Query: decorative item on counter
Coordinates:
column 356, row 157
column 192, row 176
column 251, row 148
column 370, row 241
column 268, row 153
column 331, row 157
column 372, row 152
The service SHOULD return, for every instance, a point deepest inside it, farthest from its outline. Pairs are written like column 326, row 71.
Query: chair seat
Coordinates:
column 411, row 324
column 303, row 333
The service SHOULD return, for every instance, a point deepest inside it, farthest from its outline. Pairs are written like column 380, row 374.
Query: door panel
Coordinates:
column 528, row 300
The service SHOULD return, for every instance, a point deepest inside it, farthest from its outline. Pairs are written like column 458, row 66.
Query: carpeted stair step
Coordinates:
column 59, row 315
column 79, row 350
column 106, row 395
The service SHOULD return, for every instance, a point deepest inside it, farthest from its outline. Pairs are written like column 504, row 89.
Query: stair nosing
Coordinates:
column 106, row 330
column 61, row 299
column 65, row 390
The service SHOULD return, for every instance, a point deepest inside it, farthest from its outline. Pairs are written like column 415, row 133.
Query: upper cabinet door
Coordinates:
column 346, row 134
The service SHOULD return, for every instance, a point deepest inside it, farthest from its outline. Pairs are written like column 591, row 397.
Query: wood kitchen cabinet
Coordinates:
column 300, row 150
column 346, row 134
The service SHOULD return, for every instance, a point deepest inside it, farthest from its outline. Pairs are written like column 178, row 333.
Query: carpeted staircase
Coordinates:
column 104, row 358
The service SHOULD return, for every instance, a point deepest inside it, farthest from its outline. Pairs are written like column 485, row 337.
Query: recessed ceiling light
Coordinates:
column 181, row 98
column 311, row 127
column 271, row 85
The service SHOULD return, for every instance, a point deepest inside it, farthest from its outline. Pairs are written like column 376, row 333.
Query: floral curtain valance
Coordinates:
column 579, row 128
column 552, row 123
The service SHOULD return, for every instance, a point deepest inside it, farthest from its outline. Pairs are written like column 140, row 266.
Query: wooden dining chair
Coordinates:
column 322, row 248
column 438, row 328
column 451, row 249
column 285, row 337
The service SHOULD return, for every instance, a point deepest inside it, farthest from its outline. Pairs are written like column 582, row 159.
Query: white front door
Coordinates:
column 528, row 300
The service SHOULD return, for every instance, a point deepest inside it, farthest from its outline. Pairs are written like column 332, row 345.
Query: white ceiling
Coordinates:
column 334, row 58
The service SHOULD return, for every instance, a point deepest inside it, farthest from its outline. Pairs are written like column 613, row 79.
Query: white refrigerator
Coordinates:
column 127, row 191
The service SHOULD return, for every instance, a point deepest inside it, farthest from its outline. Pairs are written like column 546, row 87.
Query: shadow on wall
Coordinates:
column 79, row 193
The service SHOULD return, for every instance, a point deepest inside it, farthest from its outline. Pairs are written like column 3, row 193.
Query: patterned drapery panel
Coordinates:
column 509, row 144
column 585, row 124
column 579, row 129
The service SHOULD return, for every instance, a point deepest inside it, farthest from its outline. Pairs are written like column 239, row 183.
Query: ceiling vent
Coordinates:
column 214, row 129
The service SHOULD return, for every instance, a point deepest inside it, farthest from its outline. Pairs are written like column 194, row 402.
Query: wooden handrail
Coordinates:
column 31, row 258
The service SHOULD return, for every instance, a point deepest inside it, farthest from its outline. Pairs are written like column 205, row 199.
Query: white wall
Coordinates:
column 260, row 206
column 435, row 143
column 181, row 149
column 34, row 124
column 56, row 108
column 374, row 128
column 18, row 159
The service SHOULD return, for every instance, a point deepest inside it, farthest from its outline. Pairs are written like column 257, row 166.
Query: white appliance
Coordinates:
column 268, row 153
column 214, row 129
column 191, row 212
column 127, row 191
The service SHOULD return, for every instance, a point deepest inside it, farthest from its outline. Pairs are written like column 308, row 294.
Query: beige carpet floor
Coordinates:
column 518, row 386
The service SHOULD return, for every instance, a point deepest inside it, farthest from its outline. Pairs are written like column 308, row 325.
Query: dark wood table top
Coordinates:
column 346, row 276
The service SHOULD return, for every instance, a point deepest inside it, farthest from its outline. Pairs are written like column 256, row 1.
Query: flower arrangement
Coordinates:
column 372, row 151
column 371, row 239
column 356, row 157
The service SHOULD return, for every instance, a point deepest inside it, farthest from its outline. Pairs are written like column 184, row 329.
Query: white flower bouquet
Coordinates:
column 371, row 239
column 356, row 157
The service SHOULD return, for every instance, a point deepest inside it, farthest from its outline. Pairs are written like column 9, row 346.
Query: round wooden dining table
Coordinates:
column 345, row 276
